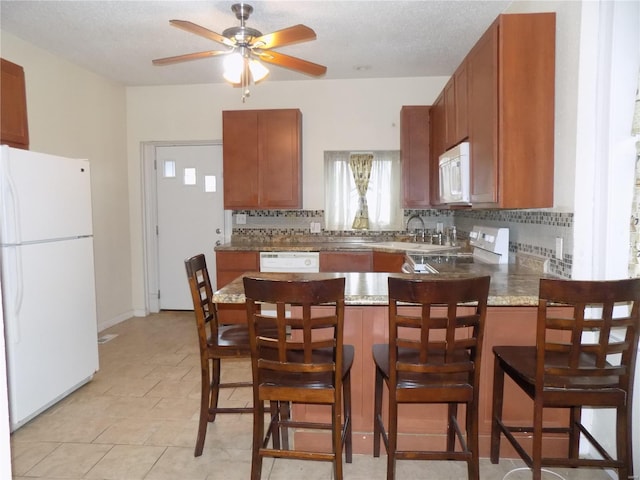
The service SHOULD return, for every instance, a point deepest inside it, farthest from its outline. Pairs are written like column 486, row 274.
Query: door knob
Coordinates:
column 218, row 230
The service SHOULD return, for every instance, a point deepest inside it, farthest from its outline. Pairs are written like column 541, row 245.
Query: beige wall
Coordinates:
column 75, row 113
column 341, row 115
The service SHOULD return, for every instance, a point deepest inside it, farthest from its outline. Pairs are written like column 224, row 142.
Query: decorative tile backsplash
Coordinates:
column 534, row 232
column 530, row 231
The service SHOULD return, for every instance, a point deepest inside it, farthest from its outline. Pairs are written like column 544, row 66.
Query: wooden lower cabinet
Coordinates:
column 423, row 426
column 388, row 262
column 345, row 261
column 229, row 266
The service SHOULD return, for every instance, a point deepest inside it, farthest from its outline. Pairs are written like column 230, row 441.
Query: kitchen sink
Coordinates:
column 412, row 246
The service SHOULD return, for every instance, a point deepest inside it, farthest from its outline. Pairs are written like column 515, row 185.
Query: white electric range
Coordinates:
column 490, row 245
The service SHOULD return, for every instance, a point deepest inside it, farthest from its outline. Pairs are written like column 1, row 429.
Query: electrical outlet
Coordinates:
column 241, row 219
column 559, row 247
column 314, row 227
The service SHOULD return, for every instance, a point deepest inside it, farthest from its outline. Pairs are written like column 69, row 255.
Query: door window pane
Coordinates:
column 189, row 176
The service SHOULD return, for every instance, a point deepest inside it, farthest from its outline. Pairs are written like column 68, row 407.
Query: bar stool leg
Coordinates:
column 498, row 392
column 377, row 413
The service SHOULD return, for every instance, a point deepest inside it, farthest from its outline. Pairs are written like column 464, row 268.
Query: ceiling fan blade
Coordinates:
column 292, row 63
column 188, row 56
column 203, row 32
column 286, row 36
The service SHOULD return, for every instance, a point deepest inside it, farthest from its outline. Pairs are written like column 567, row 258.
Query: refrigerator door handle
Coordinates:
column 14, row 291
column 10, row 201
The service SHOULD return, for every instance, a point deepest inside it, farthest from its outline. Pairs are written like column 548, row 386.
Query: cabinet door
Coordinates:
column 279, row 147
column 456, row 105
column 450, row 114
column 388, row 262
column 437, row 138
column 461, row 107
column 526, row 110
column 236, row 262
column 345, row 261
column 415, row 156
column 14, row 128
column 229, row 266
column 240, row 159
column 483, row 117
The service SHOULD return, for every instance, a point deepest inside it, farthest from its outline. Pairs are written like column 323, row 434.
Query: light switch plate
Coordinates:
column 241, row 218
column 559, row 247
column 315, row 227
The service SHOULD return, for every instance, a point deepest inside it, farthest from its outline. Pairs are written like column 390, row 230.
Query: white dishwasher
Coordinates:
column 294, row 262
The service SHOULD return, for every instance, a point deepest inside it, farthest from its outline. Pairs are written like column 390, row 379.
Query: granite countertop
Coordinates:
column 511, row 285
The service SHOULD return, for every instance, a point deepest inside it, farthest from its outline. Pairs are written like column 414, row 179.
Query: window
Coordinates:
column 383, row 193
column 190, row 176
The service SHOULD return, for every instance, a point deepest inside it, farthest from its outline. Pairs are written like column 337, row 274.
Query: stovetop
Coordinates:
column 490, row 245
column 429, row 263
column 440, row 259
column 448, row 259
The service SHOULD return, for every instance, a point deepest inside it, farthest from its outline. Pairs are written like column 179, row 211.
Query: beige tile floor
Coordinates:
column 137, row 419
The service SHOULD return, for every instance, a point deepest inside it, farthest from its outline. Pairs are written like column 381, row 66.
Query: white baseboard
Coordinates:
column 104, row 324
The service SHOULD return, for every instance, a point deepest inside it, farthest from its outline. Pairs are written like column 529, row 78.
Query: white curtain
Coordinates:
column 383, row 194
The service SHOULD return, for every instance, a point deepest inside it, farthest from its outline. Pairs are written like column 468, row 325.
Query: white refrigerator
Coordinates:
column 48, row 285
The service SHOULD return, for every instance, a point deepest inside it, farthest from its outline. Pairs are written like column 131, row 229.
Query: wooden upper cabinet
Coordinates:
column 449, row 114
column 483, row 118
column 240, row 159
column 262, row 159
column 455, row 96
column 415, row 156
column 437, row 125
column 511, row 78
column 461, row 103
column 14, row 127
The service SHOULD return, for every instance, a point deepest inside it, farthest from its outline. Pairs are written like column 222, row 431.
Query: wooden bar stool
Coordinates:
column 216, row 342
column 433, row 356
column 311, row 366
column 584, row 357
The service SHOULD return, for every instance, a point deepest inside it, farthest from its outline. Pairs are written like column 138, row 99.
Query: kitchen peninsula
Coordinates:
column 511, row 319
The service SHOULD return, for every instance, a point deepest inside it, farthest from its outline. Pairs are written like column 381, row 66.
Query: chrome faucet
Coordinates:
column 415, row 215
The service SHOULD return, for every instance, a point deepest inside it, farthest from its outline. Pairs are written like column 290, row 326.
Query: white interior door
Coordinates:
column 190, row 215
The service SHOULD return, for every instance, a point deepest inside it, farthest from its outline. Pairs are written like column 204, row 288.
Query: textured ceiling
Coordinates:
column 355, row 39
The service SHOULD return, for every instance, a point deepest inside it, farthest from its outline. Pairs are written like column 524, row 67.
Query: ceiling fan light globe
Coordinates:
column 258, row 71
column 233, row 67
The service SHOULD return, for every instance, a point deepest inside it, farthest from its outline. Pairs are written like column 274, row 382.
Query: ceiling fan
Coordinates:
column 245, row 45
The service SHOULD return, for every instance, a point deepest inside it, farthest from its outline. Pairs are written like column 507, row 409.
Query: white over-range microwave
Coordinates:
column 455, row 175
